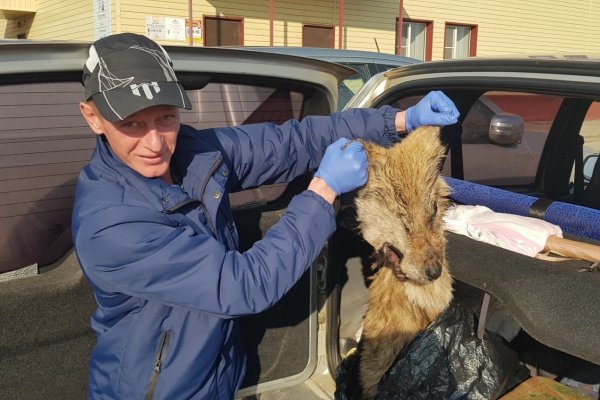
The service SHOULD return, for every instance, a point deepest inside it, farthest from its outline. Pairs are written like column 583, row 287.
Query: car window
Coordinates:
column 375, row 68
column 590, row 132
column 349, row 86
column 492, row 156
column 347, row 89
column 504, row 135
column 231, row 104
column 44, row 143
column 362, row 70
column 590, row 129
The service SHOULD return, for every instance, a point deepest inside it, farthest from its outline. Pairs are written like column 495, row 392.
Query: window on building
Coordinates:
column 318, row 36
column 460, row 41
column 416, row 39
column 223, row 31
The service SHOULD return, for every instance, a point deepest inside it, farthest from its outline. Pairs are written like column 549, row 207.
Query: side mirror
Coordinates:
column 588, row 166
column 506, row 129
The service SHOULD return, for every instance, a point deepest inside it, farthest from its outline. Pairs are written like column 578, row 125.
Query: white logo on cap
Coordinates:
column 135, row 89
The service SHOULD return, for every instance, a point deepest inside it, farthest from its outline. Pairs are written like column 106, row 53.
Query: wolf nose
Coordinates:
column 433, row 272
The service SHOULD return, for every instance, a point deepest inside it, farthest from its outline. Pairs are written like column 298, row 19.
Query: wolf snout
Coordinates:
column 433, row 272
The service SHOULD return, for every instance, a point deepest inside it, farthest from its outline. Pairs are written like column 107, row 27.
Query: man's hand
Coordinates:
column 344, row 166
column 433, row 109
column 321, row 188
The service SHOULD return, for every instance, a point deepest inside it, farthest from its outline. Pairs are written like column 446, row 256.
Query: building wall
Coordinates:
column 516, row 26
column 292, row 15
column 508, row 27
column 13, row 28
column 287, row 25
column 368, row 26
column 13, row 20
column 62, row 20
column 131, row 14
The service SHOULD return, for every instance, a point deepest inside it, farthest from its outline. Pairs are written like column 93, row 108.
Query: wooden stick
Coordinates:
column 572, row 248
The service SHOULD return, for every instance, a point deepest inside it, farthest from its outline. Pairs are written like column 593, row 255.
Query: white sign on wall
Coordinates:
column 175, row 28
column 102, row 18
column 155, row 27
column 165, row 28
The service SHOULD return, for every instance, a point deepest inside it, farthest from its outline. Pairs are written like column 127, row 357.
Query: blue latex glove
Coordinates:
column 433, row 109
column 344, row 166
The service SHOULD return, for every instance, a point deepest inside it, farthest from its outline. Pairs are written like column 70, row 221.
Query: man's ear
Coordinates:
column 91, row 116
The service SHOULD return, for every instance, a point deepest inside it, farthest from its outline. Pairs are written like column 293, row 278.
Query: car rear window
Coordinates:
column 231, row 104
column 44, row 143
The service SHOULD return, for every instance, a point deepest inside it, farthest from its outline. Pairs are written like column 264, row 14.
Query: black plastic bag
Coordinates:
column 446, row 361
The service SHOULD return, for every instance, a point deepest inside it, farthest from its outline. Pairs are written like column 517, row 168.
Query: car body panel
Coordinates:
column 340, row 56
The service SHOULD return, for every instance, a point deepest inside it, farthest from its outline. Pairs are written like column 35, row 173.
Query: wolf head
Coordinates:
column 400, row 209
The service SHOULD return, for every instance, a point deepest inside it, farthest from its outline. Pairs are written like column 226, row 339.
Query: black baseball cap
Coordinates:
column 126, row 73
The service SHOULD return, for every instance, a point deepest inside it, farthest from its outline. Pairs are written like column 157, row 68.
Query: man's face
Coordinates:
column 145, row 141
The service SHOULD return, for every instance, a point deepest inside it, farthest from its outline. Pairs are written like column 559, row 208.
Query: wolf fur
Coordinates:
column 400, row 212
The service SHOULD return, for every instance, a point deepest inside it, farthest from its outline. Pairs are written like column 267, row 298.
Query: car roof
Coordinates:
column 338, row 55
column 21, row 57
column 560, row 64
column 559, row 74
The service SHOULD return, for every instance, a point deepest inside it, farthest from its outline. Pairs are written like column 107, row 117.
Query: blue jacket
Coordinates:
column 162, row 258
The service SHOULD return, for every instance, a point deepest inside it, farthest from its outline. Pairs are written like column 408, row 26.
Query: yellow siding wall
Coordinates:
column 504, row 27
column 289, row 17
column 509, row 27
column 132, row 14
column 15, row 17
column 368, row 25
column 516, row 26
column 12, row 28
column 21, row 5
column 287, row 25
column 63, row 20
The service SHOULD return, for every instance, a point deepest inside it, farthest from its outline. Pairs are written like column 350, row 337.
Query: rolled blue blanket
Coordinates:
column 574, row 219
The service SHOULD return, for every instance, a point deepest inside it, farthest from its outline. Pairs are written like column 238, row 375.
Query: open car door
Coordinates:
column 45, row 302
column 544, row 304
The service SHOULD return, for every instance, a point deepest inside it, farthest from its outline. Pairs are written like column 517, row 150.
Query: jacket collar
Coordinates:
column 192, row 164
column 194, row 161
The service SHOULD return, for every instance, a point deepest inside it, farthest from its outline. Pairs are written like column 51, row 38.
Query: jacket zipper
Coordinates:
column 203, row 188
column 161, row 352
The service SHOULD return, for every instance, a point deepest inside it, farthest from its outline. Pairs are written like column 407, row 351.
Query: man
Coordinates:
column 154, row 232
